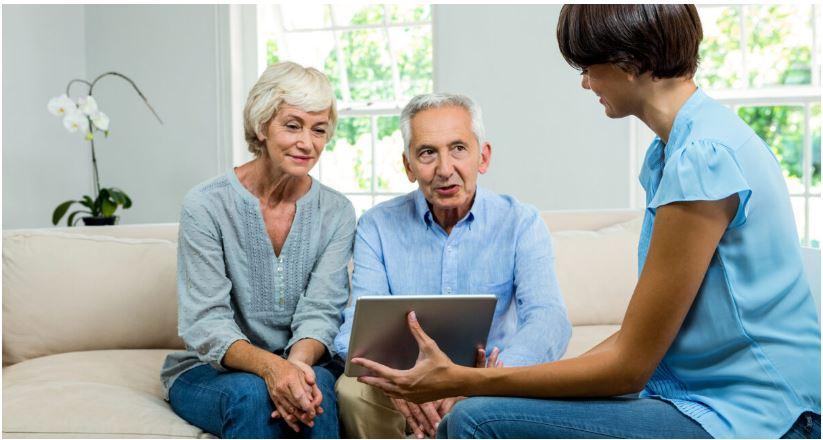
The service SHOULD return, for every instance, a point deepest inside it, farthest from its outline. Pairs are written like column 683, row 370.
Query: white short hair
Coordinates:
column 286, row 82
column 438, row 100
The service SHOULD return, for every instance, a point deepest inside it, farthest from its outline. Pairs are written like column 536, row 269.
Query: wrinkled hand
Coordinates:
column 293, row 389
column 423, row 419
column 430, row 379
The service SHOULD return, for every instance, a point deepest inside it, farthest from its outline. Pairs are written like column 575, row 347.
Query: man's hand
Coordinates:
column 423, row 419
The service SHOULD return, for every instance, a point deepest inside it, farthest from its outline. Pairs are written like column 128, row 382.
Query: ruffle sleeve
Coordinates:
column 703, row 170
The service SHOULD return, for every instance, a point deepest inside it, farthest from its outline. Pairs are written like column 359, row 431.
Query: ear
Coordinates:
column 485, row 158
column 408, row 169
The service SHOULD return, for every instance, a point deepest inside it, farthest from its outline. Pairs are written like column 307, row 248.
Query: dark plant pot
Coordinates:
column 100, row 221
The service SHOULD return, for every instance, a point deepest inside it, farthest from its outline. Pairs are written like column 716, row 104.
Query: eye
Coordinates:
column 320, row 131
column 460, row 147
column 293, row 126
column 426, row 152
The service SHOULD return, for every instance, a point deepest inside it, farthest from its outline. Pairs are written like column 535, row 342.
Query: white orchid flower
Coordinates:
column 100, row 120
column 75, row 120
column 60, row 105
column 87, row 105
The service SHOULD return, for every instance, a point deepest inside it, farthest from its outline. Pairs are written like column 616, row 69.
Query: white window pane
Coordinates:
column 357, row 14
column 347, row 159
column 815, row 221
column 412, row 48
column 779, row 44
column 721, row 59
column 368, row 65
column 402, row 13
column 799, row 210
column 361, row 203
column 305, row 16
column 391, row 176
column 310, row 49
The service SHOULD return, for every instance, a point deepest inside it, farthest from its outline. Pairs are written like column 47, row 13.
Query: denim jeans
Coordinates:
column 618, row 417
column 237, row 404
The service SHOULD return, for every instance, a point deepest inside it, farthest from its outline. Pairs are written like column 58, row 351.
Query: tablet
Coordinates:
column 458, row 323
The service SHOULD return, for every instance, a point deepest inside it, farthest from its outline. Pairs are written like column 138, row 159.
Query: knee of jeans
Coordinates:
column 464, row 419
column 325, row 380
column 247, row 398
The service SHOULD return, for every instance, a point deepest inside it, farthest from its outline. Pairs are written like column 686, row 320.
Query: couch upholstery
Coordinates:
column 90, row 313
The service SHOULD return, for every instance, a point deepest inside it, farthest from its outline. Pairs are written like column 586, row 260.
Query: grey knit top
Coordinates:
column 231, row 286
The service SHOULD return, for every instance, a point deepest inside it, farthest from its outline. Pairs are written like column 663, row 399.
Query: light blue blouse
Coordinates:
column 746, row 362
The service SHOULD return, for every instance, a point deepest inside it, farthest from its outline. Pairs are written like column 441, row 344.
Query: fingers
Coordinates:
column 301, row 398
column 492, row 362
column 420, row 417
column 430, row 411
column 422, row 338
column 376, row 368
column 286, row 412
column 403, row 407
column 446, row 406
column 480, row 358
column 384, row 385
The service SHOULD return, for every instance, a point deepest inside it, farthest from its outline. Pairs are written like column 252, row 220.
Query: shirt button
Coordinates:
column 448, row 290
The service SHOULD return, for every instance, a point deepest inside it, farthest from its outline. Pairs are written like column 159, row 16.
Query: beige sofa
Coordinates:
column 90, row 313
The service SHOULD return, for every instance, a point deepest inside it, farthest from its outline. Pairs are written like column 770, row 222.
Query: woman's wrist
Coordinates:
column 463, row 380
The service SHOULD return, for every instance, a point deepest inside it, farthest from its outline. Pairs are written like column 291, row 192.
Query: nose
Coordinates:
column 305, row 140
column 584, row 81
column 445, row 167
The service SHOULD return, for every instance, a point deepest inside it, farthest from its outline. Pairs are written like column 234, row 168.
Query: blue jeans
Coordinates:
column 237, row 404
column 618, row 417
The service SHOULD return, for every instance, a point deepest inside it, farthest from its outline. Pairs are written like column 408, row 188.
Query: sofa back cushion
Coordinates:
column 66, row 292
column 597, row 270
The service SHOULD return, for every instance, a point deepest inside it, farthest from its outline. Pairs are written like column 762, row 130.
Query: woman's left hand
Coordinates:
column 432, row 377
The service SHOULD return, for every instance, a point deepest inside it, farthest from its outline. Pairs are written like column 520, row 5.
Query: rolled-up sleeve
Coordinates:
column 318, row 312
column 205, row 316
column 543, row 327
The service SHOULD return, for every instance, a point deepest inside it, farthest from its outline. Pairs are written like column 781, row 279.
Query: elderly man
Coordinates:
column 452, row 237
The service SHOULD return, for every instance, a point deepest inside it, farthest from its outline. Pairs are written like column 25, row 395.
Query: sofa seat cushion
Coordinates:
column 104, row 393
column 584, row 337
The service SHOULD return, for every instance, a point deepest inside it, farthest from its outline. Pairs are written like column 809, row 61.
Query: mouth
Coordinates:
column 449, row 190
column 299, row 159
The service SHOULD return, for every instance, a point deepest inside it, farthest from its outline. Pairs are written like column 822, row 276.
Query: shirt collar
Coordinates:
column 424, row 213
column 683, row 121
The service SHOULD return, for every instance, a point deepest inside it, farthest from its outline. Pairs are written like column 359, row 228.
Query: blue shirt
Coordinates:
column 746, row 362
column 501, row 246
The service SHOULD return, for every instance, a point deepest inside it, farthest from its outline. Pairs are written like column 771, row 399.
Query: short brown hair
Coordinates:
column 661, row 39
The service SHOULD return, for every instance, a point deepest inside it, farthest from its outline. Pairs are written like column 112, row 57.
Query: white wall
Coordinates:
column 552, row 145
column 178, row 57
column 43, row 165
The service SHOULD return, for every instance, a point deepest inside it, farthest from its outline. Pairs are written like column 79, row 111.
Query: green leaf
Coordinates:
column 126, row 200
column 71, row 221
column 108, row 208
column 60, row 211
column 87, row 202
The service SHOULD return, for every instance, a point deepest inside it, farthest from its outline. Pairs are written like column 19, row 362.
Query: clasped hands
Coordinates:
column 405, row 387
column 293, row 389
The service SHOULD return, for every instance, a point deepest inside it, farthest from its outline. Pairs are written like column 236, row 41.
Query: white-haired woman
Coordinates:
column 262, row 274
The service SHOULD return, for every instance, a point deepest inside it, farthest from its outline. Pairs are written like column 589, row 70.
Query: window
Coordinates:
column 377, row 57
column 763, row 61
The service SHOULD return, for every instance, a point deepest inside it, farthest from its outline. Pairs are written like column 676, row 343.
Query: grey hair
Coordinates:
column 286, row 82
column 438, row 100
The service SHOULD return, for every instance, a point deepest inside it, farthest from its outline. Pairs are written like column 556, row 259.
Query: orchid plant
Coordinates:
column 83, row 116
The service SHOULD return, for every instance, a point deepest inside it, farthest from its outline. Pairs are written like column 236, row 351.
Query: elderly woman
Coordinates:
column 721, row 337
column 262, row 274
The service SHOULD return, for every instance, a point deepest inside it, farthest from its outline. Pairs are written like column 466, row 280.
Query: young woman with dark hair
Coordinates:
column 721, row 337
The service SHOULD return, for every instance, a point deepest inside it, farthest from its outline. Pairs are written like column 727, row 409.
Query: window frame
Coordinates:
column 804, row 96
column 346, row 107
